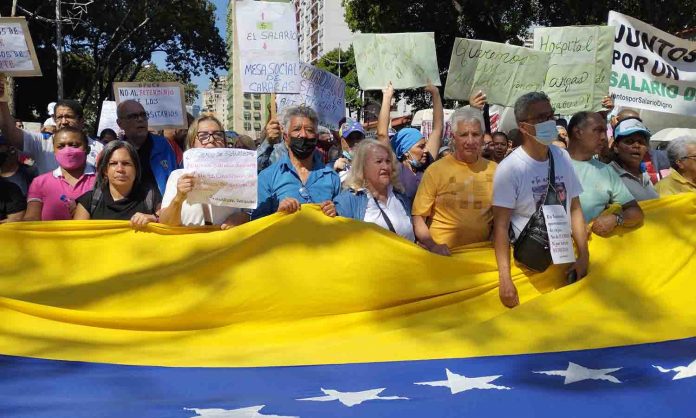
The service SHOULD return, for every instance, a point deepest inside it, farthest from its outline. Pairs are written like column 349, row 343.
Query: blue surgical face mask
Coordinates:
column 546, row 132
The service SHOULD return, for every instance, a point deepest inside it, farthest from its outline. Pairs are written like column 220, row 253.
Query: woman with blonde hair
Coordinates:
column 372, row 192
column 204, row 132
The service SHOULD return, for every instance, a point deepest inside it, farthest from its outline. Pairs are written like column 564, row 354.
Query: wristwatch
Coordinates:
column 619, row 219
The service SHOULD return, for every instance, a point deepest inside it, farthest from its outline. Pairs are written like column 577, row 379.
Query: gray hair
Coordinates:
column 676, row 150
column 302, row 112
column 523, row 103
column 467, row 115
column 323, row 130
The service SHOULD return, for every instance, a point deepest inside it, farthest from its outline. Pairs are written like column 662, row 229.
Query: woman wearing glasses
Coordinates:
column 205, row 132
column 373, row 192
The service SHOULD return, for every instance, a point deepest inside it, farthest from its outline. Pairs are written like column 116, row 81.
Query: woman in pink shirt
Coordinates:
column 52, row 195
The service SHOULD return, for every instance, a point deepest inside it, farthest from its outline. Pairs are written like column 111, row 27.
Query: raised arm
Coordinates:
column 385, row 114
column 435, row 138
column 12, row 133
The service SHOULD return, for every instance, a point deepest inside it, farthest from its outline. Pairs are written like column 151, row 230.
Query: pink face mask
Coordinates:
column 71, row 158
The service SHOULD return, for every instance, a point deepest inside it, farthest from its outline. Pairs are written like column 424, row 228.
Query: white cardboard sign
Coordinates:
column 560, row 237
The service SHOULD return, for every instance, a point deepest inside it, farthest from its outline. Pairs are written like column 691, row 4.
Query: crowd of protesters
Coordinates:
column 479, row 187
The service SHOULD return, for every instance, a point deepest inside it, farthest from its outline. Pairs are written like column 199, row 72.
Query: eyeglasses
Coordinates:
column 207, row 137
column 135, row 116
column 689, row 157
column 304, row 193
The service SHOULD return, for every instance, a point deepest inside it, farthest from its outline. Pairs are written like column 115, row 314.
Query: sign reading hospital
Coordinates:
column 267, row 38
column 17, row 55
column 163, row 102
column 223, row 176
column 652, row 69
column 320, row 90
column 580, row 65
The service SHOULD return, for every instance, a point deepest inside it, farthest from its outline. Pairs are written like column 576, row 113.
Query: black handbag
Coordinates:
column 531, row 248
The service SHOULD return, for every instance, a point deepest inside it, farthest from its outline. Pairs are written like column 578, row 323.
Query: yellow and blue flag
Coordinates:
column 306, row 316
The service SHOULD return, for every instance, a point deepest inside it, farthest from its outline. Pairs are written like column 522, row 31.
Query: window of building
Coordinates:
column 257, row 116
column 257, row 105
column 247, row 96
column 247, row 115
column 257, row 126
column 247, row 105
column 247, row 126
column 257, row 97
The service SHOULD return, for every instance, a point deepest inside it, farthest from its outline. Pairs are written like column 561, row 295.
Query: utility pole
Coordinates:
column 59, row 52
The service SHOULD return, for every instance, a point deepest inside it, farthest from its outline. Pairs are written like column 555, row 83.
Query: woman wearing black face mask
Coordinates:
column 300, row 177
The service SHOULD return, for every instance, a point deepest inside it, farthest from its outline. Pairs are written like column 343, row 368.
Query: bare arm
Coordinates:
column 605, row 224
column 81, row 213
column 632, row 214
column 33, row 211
column 501, row 243
column 14, row 217
column 235, row 219
column 424, row 237
column 579, row 232
column 14, row 135
column 435, row 138
column 385, row 114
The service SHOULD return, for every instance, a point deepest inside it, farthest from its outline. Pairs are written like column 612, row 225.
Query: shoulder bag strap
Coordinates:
column 384, row 215
column 551, row 197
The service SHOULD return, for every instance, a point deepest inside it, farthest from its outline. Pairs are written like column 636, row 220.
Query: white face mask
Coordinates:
column 546, row 132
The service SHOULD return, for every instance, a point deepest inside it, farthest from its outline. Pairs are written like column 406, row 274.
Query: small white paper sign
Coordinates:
column 560, row 237
column 107, row 119
column 224, row 176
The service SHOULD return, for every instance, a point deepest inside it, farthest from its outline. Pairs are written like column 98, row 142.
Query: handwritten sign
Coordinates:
column 652, row 69
column 267, row 38
column 580, row 65
column 17, row 55
column 107, row 118
column 163, row 102
column 503, row 72
column 224, row 176
column 560, row 238
column 408, row 60
column 320, row 90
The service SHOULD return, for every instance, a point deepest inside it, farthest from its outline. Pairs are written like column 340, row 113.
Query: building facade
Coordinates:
column 215, row 101
column 246, row 113
column 321, row 26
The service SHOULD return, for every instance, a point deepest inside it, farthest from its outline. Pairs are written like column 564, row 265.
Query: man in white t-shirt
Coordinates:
column 520, row 184
column 67, row 113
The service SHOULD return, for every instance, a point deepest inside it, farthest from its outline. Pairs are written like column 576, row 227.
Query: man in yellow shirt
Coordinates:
column 453, row 204
column 682, row 156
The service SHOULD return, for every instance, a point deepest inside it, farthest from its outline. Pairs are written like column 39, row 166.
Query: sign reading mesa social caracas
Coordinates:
column 578, row 75
column 652, row 69
column 267, row 38
column 17, row 55
column 163, row 102
column 408, row 60
column 503, row 72
column 320, row 90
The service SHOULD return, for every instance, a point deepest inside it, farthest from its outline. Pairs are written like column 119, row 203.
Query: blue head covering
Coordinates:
column 404, row 140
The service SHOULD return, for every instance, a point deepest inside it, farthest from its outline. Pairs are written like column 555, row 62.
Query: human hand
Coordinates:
column 389, row 90
column 478, row 100
column 604, row 224
column 341, row 164
column 608, row 102
column 441, row 249
column 328, row 208
column 273, row 130
column 431, row 89
column 580, row 266
column 508, row 293
column 184, row 186
column 289, row 205
column 140, row 220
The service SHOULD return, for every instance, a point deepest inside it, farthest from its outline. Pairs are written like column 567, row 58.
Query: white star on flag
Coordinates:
column 577, row 373
column 683, row 372
column 353, row 398
column 250, row 412
column 460, row 383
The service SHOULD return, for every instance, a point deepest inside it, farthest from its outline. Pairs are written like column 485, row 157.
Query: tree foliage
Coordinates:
column 112, row 42
column 348, row 72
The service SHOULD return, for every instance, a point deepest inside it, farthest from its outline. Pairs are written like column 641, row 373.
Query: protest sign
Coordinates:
column 408, row 60
column 223, row 176
column 652, row 69
column 578, row 75
column 320, row 90
column 163, row 102
column 267, row 38
column 107, row 118
column 17, row 55
column 503, row 72
column 560, row 235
